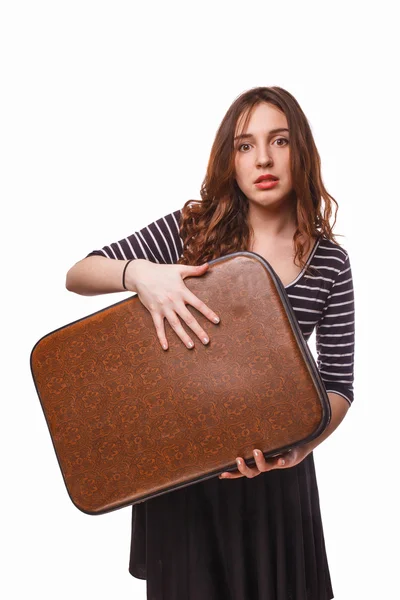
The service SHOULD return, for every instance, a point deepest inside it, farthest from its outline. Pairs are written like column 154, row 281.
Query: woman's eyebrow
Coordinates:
column 251, row 136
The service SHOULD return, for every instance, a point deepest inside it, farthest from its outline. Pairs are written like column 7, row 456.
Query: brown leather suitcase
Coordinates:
column 130, row 421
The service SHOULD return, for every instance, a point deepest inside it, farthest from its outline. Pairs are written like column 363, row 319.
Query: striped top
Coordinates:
column 323, row 300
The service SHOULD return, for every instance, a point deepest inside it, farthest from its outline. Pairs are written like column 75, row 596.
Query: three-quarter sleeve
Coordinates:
column 335, row 335
column 158, row 242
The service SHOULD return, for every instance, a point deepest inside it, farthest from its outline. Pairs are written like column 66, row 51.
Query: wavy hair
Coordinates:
column 217, row 224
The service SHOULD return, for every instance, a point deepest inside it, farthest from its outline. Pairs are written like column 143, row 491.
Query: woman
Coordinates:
column 255, row 533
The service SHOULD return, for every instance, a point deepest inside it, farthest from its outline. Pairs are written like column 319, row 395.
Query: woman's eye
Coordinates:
column 284, row 139
column 241, row 145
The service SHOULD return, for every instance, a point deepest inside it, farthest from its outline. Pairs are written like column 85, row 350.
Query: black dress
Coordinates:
column 259, row 538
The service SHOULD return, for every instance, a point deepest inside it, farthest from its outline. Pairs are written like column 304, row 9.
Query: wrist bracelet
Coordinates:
column 123, row 274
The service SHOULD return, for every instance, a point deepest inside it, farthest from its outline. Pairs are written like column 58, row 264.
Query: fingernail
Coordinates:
column 216, row 320
column 205, row 340
column 190, row 345
column 257, row 452
column 164, row 346
column 282, row 462
column 238, row 462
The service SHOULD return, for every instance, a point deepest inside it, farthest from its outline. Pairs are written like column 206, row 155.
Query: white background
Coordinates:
column 108, row 114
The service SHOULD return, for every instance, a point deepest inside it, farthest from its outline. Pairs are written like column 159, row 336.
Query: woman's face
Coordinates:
column 261, row 150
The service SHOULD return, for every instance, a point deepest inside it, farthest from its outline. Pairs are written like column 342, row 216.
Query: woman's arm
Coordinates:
column 335, row 341
column 151, row 273
column 339, row 407
column 95, row 275
column 335, row 335
column 158, row 242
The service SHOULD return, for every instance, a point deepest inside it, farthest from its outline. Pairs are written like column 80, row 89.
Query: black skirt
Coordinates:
column 238, row 539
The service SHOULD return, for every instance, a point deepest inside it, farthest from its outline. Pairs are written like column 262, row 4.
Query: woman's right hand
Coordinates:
column 161, row 290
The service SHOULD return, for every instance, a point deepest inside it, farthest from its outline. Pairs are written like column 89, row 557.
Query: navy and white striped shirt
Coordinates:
column 323, row 300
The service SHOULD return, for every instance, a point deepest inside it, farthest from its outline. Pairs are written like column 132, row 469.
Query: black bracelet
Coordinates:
column 123, row 274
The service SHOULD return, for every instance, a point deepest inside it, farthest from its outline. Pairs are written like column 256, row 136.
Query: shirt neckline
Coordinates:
column 302, row 272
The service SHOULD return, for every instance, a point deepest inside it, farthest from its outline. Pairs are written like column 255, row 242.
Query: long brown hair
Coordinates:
column 217, row 224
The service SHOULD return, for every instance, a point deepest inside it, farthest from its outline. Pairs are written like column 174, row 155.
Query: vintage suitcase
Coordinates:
column 130, row 421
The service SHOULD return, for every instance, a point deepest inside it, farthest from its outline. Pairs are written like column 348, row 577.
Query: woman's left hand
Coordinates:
column 282, row 461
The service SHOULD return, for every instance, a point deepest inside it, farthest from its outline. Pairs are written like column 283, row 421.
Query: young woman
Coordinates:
column 255, row 534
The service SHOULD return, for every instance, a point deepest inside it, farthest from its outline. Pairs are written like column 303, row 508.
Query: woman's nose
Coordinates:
column 263, row 160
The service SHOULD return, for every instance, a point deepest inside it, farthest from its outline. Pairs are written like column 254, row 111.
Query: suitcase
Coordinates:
column 130, row 421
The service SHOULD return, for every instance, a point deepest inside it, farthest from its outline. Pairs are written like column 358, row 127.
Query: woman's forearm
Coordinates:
column 339, row 406
column 98, row 275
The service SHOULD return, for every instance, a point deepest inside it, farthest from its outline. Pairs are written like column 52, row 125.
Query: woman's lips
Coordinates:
column 266, row 184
